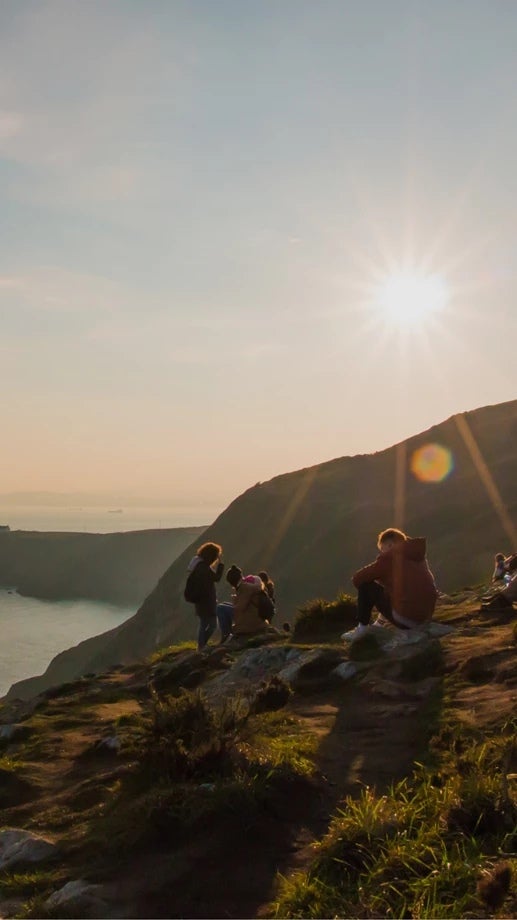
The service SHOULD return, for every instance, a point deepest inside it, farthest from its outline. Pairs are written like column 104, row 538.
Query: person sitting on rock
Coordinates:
column 245, row 603
column 505, row 598
column 269, row 586
column 399, row 584
column 499, row 569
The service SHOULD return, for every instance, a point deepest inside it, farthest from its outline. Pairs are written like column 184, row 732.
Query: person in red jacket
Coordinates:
column 399, row 584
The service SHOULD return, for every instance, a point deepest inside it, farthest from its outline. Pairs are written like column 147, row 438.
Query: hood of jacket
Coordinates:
column 413, row 548
column 193, row 563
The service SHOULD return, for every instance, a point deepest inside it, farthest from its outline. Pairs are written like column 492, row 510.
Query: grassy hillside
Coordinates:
column 121, row 568
column 388, row 794
column 311, row 529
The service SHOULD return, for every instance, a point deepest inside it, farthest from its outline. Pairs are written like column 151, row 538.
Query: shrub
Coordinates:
column 183, row 738
column 320, row 617
column 272, row 694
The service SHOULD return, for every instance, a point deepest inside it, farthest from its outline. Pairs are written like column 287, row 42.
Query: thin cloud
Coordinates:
column 10, row 125
column 57, row 289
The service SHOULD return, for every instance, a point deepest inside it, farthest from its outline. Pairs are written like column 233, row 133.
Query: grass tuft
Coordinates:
column 418, row 851
column 320, row 618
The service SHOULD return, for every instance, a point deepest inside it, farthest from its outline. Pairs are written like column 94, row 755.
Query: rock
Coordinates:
column 259, row 663
column 312, row 670
column 7, row 732
column 78, row 899
column 439, row 629
column 251, row 668
column 19, row 847
column 170, row 675
column 410, row 661
column 292, row 672
column 112, row 743
column 344, row 671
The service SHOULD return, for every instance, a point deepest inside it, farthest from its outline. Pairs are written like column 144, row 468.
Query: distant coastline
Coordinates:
column 103, row 518
column 117, row 568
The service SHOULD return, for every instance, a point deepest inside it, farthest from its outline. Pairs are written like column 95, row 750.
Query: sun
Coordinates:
column 408, row 298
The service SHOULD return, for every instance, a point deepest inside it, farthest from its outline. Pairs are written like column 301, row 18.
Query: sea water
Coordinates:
column 97, row 519
column 34, row 631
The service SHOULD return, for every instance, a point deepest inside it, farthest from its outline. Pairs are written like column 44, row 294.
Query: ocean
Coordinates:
column 96, row 519
column 34, row 631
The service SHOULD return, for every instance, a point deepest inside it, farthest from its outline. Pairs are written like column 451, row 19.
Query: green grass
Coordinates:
column 18, row 884
column 319, row 617
column 420, row 850
column 192, row 765
column 10, row 764
column 171, row 651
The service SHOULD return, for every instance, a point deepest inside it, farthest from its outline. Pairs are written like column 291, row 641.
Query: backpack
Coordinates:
column 191, row 592
column 265, row 606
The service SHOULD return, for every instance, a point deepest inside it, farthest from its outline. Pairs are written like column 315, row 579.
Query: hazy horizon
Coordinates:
column 243, row 239
column 215, row 503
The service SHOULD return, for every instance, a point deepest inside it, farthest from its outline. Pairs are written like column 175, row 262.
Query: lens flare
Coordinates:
column 432, row 463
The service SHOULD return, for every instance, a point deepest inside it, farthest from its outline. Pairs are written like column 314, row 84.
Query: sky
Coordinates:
column 200, row 203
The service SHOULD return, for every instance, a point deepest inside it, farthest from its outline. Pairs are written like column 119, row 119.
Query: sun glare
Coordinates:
column 408, row 298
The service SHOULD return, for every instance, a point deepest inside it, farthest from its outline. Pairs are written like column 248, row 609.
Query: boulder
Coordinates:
column 78, row 899
column 7, row 732
column 436, row 630
column 304, row 662
column 112, row 743
column 344, row 671
column 19, row 847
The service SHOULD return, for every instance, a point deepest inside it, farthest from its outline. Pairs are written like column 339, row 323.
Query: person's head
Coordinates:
column 234, row 576
column 499, row 557
column 209, row 552
column 389, row 538
column 264, row 577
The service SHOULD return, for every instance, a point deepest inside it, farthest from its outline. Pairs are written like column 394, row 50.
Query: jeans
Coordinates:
column 207, row 625
column 369, row 595
column 225, row 619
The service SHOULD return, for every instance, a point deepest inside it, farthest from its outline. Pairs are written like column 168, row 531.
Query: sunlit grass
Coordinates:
column 418, row 851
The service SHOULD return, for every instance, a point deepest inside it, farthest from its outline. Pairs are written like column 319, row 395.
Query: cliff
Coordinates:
column 312, row 528
column 121, row 568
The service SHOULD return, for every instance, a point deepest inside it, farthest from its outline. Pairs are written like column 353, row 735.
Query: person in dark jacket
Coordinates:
column 399, row 584
column 203, row 575
column 269, row 586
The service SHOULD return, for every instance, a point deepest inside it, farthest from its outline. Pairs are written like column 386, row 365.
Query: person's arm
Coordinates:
column 369, row 572
column 217, row 575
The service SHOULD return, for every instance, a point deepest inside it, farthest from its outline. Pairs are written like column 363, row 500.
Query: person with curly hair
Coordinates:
column 205, row 570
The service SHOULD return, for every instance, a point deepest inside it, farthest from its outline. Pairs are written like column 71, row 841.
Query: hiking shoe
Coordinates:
column 497, row 602
column 354, row 633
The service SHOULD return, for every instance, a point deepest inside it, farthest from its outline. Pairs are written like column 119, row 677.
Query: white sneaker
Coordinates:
column 354, row 633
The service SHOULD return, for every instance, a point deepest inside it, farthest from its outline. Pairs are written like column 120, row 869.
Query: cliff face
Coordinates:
column 121, row 568
column 311, row 529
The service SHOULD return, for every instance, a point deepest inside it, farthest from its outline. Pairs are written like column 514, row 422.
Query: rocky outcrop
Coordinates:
column 78, row 899
column 21, row 848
